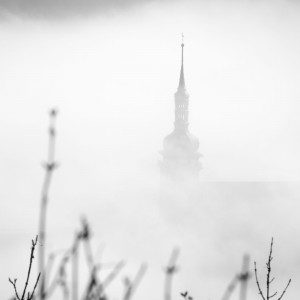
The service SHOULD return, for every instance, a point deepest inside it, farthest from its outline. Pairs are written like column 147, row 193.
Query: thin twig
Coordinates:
column 270, row 258
column 269, row 270
column 37, row 280
column 273, row 295
column 285, row 289
column 14, row 283
column 30, row 264
column 257, row 282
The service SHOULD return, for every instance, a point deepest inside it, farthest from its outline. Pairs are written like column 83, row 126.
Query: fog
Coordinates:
column 64, row 9
column 112, row 74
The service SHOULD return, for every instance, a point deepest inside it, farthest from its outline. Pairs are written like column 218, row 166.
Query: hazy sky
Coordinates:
column 241, row 71
column 111, row 68
column 64, row 9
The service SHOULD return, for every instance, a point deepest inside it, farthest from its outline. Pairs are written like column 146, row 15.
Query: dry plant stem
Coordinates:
column 54, row 283
column 230, row 288
column 30, row 264
column 269, row 271
column 66, row 293
column 93, row 278
column 94, row 285
column 244, row 277
column 86, row 238
column 36, row 283
column 269, row 281
column 63, row 283
column 132, row 286
column 110, row 277
column 285, row 289
column 49, row 168
column 75, row 267
column 138, row 278
column 170, row 270
column 73, row 254
column 48, row 271
column 91, row 285
column 49, row 265
column 89, row 254
column 257, row 282
column 14, row 283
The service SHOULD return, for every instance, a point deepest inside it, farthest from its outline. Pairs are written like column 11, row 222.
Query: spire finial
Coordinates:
column 182, row 45
column 181, row 80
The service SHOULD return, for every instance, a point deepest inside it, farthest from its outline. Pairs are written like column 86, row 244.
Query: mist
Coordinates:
column 62, row 10
column 112, row 76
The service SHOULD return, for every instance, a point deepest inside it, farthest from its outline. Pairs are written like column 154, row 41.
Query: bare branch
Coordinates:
column 269, row 270
column 285, row 289
column 30, row 264
column 257, row 282
column 36, row 283
column 273, row 295
column 14, row 283
column 268, row 278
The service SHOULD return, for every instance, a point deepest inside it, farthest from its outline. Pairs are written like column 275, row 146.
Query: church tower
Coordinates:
column 180, row 148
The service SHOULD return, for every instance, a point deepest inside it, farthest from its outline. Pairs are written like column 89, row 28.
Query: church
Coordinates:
column 180, row 148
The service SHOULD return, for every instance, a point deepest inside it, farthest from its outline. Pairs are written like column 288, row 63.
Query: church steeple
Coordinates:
column 180, row 153
column 181, row 79
column 181, row 101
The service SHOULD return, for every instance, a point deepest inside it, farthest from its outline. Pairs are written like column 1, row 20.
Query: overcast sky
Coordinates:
column 61, row 10
column 111, row 68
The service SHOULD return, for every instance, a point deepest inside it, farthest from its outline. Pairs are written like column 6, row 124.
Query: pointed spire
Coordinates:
column 181, row 79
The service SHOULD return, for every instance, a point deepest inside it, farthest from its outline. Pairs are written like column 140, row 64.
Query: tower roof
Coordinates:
column 181, row 79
